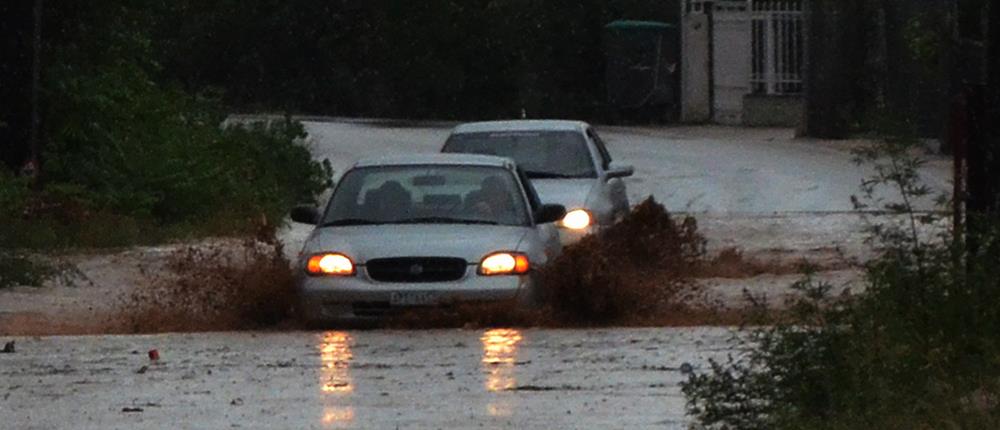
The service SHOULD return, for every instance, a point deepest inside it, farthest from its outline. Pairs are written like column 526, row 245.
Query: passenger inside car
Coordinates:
column 388, row 202
column 491, row 200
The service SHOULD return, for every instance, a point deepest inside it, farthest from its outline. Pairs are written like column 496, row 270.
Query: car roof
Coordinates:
column 437, row 159
column 521, row 125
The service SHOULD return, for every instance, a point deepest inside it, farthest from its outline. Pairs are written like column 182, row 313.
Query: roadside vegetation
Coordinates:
column 917, row 348
column 131, row 157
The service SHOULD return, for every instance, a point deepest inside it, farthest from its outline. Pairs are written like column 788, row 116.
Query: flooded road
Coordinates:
column 777, row 198
column 490, row 378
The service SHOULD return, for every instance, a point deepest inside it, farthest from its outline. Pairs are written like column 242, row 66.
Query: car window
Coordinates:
column 602, row 150
column 427, row 194
column 542, row 154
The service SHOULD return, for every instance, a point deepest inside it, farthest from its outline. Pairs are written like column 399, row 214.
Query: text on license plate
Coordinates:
column 413, row 298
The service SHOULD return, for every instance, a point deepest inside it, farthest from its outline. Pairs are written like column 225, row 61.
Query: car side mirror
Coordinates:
column 305, row 215
column 549, row 214
column 620, row 171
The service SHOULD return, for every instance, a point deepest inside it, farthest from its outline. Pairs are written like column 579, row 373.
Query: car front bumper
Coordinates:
column 332, row 299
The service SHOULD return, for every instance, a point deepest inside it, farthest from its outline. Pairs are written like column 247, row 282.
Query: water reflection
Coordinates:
column 499, row 358
column 334, row 416
column 335, row 379
column 335, row 353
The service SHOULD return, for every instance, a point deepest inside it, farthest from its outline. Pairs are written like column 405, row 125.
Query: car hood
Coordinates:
column 571, row 193
column 363, row 243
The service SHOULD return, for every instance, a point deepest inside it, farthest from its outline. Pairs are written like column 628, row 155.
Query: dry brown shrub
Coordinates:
column 628, row 273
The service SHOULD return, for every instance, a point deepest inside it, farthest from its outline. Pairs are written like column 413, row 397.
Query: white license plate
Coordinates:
column 413, row 298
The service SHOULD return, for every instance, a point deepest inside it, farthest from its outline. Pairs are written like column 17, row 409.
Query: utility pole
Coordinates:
column 982, row 149
column 983, row 182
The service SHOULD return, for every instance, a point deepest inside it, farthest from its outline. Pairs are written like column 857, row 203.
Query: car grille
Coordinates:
column 417, row 269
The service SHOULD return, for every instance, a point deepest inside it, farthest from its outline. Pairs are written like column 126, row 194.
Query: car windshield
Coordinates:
column 427, row 195
column 542, row 154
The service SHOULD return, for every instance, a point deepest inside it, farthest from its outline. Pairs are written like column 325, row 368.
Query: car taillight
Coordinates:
column 330, row 264
column 504, row 263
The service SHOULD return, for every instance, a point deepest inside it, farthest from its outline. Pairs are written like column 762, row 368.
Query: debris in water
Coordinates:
column 629, row 273
column 142, row 370
column 132, row 410
column 154, row 355
column 8, row 348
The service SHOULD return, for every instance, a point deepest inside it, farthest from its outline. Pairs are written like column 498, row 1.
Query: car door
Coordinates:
column 613, row 188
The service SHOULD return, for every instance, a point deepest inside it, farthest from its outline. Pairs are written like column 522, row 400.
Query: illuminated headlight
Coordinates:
column 504, row 263
column 331, row 264
column 578, row 219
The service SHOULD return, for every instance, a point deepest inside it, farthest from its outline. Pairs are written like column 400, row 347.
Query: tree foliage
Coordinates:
column 130, row 154
column 435, row 58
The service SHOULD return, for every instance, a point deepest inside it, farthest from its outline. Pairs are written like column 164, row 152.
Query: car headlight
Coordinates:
column 330, row 264
column 504, row 263
column 577, row 219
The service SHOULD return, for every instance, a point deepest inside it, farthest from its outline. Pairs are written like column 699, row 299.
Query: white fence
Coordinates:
column 778, row 38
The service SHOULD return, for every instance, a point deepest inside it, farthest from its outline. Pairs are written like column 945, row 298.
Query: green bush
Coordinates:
column 132, row 158
column 918, row 348
column 124, row 144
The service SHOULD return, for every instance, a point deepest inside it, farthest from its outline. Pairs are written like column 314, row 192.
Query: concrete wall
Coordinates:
column 695, row 73
column 731, row 58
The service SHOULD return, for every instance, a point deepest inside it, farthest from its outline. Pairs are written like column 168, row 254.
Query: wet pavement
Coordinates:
column 491, row 378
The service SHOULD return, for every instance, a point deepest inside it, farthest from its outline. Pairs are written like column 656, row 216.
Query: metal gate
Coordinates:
column 777, row 46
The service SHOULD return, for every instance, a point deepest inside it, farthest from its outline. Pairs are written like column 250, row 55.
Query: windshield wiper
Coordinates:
column 444, row 220
column 350, row 221
column 547, row 175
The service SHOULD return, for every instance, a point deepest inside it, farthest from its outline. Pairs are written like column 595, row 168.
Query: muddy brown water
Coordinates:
column 486, row 378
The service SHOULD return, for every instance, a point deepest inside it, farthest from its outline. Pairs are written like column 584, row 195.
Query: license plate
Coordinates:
column 413, row 298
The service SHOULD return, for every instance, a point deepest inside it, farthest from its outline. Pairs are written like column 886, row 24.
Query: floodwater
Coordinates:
column 489, row 378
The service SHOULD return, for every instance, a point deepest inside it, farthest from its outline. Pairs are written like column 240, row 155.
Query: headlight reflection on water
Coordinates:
column 499, row 358
column 335, row 353
column 335, row 378
column 334, row 416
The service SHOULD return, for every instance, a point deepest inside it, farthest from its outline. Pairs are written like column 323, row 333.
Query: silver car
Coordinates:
column 567, row 162
column 424, row 230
